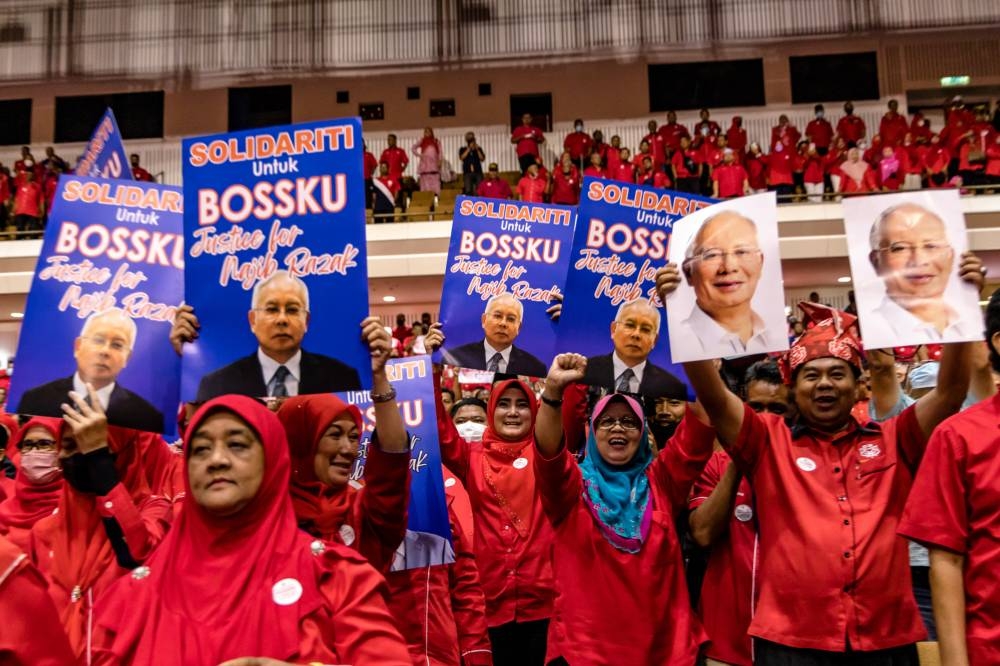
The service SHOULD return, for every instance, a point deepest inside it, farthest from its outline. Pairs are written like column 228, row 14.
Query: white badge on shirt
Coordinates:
column 806, row 464
column 347, row 534
column 520, row 463
column 743, row 512
column 286, row 591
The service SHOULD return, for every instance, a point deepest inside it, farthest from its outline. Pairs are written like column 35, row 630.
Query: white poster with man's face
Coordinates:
column 730, row 302
column 905, row 250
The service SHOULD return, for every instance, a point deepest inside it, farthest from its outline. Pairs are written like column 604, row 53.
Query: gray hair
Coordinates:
column 694, row 244
column 284, row 275
column 506, row 296
column 112, row 313
column 875, row 236
column 640, row 302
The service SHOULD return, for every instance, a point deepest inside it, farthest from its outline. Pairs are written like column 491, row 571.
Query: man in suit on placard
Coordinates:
column 627, row 369
column 280, row 367
column 496, row 351
column 101, row 351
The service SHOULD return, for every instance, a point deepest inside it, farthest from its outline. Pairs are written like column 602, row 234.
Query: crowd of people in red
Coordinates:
column 27, row 188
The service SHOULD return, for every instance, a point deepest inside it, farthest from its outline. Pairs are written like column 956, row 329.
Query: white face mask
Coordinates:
column 819, row 114
column 471, row 431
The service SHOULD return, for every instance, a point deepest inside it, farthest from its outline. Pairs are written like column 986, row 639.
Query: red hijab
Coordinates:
column 9, row 423
column 320, row 510
column 514, row 490
column 31, row 502
column 214, row 584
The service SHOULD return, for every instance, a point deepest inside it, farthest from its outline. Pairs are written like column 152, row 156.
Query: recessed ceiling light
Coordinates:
column 17, row 315
column 389, row 299
column 844, row 279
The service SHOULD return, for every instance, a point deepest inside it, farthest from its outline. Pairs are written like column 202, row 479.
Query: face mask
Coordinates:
column 704, row 131
column 75, row 472
column 471, row 431
column 40, row 467
column 578, row 128
column 819, row 114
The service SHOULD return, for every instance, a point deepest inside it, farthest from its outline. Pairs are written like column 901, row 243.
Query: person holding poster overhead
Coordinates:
column 723, row 260
column 627, row 369
column 102, row 351
column 496, row 351
column 235, row 578
column 279, row 319
column 619, row 570
column 914, row 296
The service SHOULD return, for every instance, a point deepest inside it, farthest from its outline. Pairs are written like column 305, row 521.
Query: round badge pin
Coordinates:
column 806, row 464
column 743, row 512
column 520, row 463
column 286, row 591
column 347, row 534
column 448, row 483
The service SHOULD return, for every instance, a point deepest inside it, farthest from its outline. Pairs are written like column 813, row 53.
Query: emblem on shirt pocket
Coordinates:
column 869, row 451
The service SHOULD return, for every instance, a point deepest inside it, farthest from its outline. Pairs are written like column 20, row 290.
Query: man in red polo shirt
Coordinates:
column 850, row 127
column 722, row 519
column 834, row 577
column 784, row 132
column 493, row 186
column 672, row 133
column 565, row 186
column 29, row 205
column 578, row 144
column 893, row 126
column 736, row 138
column 527, row 138
column 650, row 176
column 395, row 158
column 729, row 179
column 686, row 164
column 820, row 131
column 657, row 145
column 138, row 172
column 706, row 128
column 532, row 186
column 952, row 509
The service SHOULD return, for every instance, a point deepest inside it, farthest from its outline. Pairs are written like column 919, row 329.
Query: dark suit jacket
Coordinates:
column 656, row 382
column 124, row 408
column 320, row 374
column 473, row 355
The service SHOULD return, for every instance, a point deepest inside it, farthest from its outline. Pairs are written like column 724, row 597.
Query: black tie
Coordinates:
column 494, row 364
column 625, row 381
column 276, row 387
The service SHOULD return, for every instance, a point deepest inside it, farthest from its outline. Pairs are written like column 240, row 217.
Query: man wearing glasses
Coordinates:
column 911, row 253
column 279, row 319
column 496, row 351
column 102, row 351
column 723, row 264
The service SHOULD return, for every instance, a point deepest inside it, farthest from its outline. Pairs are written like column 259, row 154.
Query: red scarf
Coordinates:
column 31, row 502
column 319, row 509
column 212, row 584
column 9, row 423
column 513, row 489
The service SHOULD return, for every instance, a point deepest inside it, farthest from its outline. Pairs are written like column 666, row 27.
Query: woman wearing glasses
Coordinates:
column 37, row 483
column 621, row 595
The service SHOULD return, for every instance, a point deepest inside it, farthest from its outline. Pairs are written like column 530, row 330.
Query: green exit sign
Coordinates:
column 949, row 81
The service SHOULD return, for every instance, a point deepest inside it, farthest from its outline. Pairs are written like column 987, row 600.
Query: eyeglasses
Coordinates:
column 626, row 422
column 499, row 317
column 715, row 256
column 101, row 341
column 36, row 445
column 931, row 248
column 275, row 311
column 632, row 326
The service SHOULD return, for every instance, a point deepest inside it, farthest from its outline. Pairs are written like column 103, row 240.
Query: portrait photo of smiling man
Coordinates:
column 501, row 321
column 905, row 251
column 730, row 302
column 102, row 351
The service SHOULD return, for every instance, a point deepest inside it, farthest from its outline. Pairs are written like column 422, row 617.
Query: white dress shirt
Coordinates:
column 620, row 367
column 103, row 395
column 702, row 332
column 269, row 366
column 890, row 322
column 504, row 353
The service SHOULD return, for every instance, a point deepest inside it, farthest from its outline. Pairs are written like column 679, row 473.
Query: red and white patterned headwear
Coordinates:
column 829, row 333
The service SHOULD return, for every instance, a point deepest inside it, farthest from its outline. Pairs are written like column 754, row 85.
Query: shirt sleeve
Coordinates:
column 559, row 483
column 143, row 526
column 936, row 513
column 574, row 416
column 682, row 460
column 910, row 438
column 706, row 483
column 468, row 602
column 454, row 448
column 383, row 504
column 902, row 403
column 26, row 608
column 750, row 443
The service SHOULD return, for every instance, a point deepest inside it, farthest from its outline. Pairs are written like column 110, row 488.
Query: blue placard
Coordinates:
column 113, row 257
column 104, row 156
column 276, row 214
column 622, row 237
column 412, row 377
column 506, row 262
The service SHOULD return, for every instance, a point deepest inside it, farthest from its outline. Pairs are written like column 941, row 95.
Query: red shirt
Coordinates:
column 820, row 132
column 672, row 133
column 639, row 157
column 494, row 188
column 527, row 137
column 813, row 171
column 713, row 129
column 726, row 602
column 566, row 186
column 955, row 505
column 613, row 157
column 851, row 128
column 786, row 134
column 578, row 144
column 595, row 172
column 370, row 165
column 681, row 159
column 658, row 148
column 391, row 184
column 515, row 572
column 625, row 172
column 993, row 159
column 653, row 179
column 832, row 570
column 779, row 168
column 138, row 173
column 893, row 129
column 615, row 607
column 730, row 178
column 920, row 127
column 869, row 183
column 532, row 189
column 28, row 199
column 936, row 158
column 711, row 155
column 756, row 167
column 397, row 160
column 736, row 138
